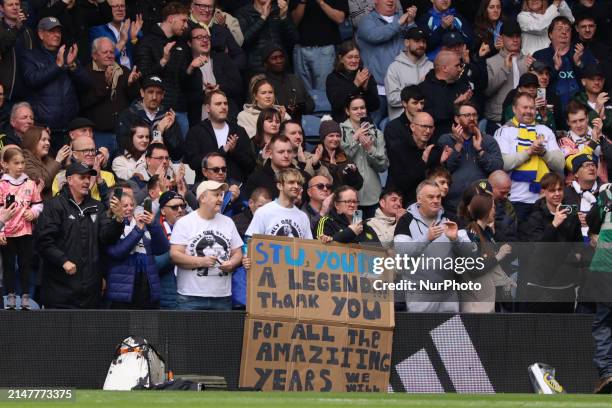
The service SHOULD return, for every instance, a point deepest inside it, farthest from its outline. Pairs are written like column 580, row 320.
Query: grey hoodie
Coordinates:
column 403, row 72
column 411, row 239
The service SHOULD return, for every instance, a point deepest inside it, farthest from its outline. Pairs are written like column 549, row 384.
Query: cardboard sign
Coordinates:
column 295, row 356
column 314, row 322
column 306, row 280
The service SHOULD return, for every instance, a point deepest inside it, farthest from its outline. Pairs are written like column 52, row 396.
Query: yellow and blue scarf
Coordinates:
column 533, row 169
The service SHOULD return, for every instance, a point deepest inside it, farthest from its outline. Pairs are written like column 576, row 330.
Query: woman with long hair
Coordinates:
column 350, row 77
column 487, row 26
column 134, row 148
column 534, row 20
column 40, row 166
column 262, row 96
column 477, row 211
column 268, row 126
column 364, row 144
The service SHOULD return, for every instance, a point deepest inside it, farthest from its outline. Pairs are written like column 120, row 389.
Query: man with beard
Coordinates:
column 504, row 70
column 474, row 155
column 409, row 68
column 206, row 249
column 529, row 151
column 282, row 217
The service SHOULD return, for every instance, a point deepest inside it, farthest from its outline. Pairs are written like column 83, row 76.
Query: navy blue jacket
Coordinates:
column 53, row 90
column 123, row 265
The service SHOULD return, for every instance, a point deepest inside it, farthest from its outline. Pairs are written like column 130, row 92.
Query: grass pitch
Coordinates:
column 186, row 399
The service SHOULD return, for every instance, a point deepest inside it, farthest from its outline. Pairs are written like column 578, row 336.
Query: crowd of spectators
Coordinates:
column 144, row 142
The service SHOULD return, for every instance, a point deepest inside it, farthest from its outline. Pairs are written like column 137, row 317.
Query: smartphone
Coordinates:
column 147, row 205
column 364, row 122
column 118, row 192
column 357, row 216
column 541, row 93
column 571, row 208
column 9, row 200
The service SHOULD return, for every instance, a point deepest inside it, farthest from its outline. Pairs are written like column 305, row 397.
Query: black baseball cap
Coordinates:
column 452, row 39
column 415, row 33
column 168, row 196
column 592, row 70
column 529, row 79
column 153, row 81
column 80, row 168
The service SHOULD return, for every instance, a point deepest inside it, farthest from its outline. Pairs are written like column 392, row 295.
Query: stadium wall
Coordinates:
column 431, row 352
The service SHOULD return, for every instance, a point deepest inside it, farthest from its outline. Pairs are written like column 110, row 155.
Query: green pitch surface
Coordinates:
column 187, row 399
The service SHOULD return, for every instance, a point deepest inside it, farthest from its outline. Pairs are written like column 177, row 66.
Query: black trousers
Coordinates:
column 22, row 250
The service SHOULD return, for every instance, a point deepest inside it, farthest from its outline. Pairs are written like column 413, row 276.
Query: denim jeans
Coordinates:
column 602, row 334
column 314, row 64
column 183, row 122
column 203, row 303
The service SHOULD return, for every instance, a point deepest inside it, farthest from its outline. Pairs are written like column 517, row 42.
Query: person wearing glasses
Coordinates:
column 319, row 188
column 214, row 168
column 223, row 28
column 209, row 71
column 364, row 144
column 84, row 151
column 123, row 32
column 218, row 135
column 474, row 155
column 340, row 225
column 158, row 169
column 172, row 207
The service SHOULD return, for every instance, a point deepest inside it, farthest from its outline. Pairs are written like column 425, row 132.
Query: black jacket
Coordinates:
column 99, row 104
column 242, row 221
column 289, row 89
column 406, row 166
column 150, row 10
column 339, row 86
column 259, row 34
column 265, row 177
column 547, row 264
column 229, row 80
column 172, row 136
column 337, row 226
column 66, row 231
column 201, row 140
column 150, row 50
column 12, row 43
column 439, row 100
column 222, row 40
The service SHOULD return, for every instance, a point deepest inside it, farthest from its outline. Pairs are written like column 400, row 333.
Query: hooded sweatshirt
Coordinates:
column 403, row 72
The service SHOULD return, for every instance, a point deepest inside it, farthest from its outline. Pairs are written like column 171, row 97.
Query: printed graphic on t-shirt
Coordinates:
column 211, row 243
column 287, row 228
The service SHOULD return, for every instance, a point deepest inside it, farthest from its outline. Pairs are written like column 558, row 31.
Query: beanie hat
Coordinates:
column 328, row 125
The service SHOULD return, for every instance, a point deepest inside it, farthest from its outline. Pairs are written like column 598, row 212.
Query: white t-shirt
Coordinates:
column 204, row 238
column 221, row 135
column 274, row 219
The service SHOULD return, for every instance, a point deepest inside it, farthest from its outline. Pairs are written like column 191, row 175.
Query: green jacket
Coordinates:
column 369, row 163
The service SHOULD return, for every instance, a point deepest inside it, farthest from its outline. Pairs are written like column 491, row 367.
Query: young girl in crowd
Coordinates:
column 16, row 238
column 262, row 97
